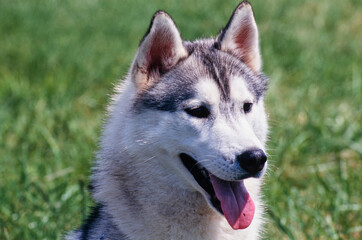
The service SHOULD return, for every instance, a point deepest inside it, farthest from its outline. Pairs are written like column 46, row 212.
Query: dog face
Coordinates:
column 209, row 110
column 201, row 108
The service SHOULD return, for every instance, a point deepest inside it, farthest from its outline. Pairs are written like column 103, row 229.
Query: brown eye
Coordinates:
column 247, row 107
column 199, row 112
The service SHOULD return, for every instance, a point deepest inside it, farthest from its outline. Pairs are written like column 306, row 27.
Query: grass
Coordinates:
column 60, row 59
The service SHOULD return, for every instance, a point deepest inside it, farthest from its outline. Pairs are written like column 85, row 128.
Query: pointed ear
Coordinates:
column 160, row 50
column 240, row 37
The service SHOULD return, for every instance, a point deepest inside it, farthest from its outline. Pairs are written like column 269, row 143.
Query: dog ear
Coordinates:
column 240, row 37
column 160, row 50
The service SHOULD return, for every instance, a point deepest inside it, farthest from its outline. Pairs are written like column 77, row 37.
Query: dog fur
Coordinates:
column 180, row 97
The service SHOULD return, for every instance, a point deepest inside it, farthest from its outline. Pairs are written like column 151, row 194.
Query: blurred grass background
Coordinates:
column 60, row 59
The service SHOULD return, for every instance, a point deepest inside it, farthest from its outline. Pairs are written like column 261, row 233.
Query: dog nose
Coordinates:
column 252, row 161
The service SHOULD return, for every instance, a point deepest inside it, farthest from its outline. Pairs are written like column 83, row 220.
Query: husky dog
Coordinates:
column 182, row 153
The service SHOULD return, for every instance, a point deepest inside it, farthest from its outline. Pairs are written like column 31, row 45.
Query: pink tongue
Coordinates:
column 237, row 205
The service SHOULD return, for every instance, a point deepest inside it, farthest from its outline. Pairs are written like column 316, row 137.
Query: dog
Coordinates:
column 182, row 153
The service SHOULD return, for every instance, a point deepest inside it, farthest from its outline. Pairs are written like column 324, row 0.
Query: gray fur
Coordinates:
column 99, row 226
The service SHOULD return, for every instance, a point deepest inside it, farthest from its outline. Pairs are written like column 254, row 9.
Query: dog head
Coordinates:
column 199, row 108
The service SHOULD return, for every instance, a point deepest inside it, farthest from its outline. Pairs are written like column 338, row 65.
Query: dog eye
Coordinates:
column 247, row 107
column 199, row 112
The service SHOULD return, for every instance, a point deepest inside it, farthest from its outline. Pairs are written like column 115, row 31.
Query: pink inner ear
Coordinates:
column 159, row 57
column 244, row 41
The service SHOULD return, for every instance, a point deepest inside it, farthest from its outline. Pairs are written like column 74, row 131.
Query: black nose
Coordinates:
column 252, row 161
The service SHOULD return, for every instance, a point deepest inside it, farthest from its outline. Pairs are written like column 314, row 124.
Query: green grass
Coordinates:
column 60, row 59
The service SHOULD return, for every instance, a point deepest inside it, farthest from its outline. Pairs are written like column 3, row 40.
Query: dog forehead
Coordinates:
column 231, row 75
column 239, row 91
column 207, row 75
column 207, row 91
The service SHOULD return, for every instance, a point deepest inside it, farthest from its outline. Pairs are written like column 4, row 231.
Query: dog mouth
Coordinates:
column 229, row 198
column 202, row 177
